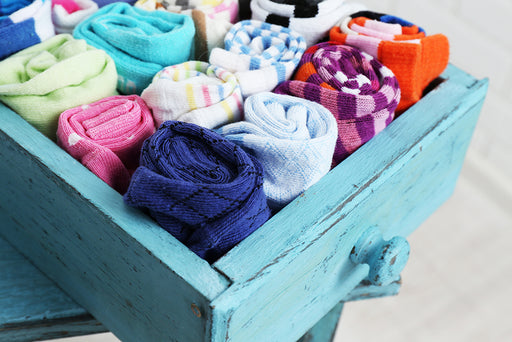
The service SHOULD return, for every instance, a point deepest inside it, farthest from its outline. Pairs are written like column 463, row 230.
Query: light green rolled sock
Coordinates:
column 42, row 81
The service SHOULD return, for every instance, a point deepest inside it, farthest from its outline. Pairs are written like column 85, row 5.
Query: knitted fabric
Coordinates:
column 65, row 21
column 293, row 138
column 215, row 9
column 140, row 42
column 415, row 59
column 261, row 55
column 310, row 18
column 195, row 92
column 201, row 188
column 210, row 29
column 42, row 81
column 102, row 3
column 106, row 136
column 69, row 6
column 360, row 92
column 23, row 24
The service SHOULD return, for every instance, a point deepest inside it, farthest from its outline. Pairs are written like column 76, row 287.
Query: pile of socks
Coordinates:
column 211, row 115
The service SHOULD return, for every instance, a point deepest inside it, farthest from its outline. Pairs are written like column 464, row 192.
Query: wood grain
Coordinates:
column 32, row 306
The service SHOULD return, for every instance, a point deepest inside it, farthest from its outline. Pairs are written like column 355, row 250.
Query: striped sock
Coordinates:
column 261, row 55
column 106, row 136
column 310, row 18
column 195, row 92
column 360, row 92
column 415, row 58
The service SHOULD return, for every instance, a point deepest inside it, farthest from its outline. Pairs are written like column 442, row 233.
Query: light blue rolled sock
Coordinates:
column 293, row 139
column 140, row 42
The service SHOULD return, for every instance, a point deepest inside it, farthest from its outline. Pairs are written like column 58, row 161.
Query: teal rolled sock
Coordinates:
column 141, row 43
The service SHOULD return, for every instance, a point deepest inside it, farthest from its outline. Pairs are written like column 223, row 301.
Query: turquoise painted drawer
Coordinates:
column 144, row 285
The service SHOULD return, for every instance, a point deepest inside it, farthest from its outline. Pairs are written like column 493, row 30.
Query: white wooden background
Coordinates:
column 456, row 286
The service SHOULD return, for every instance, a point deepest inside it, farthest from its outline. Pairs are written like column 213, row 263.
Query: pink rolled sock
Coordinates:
column 106, row 136
column 69, row 5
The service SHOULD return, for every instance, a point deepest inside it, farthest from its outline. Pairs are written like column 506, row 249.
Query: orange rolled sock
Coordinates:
column 415, row 58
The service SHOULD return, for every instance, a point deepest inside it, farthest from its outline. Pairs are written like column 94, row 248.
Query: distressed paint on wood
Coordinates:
column 113, row 260
column 32, row 307
column 324, row 330
column 366, row 290
column 286, row 275
column 301, row 247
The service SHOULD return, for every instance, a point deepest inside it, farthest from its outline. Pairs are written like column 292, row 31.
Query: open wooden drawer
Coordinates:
column 144, row 285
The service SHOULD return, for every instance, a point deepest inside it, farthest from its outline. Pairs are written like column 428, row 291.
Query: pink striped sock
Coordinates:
column 106, row 136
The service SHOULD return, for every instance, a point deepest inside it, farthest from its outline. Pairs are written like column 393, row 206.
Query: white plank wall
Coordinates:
column 456, row 286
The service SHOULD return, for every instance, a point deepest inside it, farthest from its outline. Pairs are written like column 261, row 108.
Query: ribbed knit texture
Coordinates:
column 42, row 81
column 415, row 58
column 106, row 136
column 293, row 138
column 310, row 18
column 214, row 9
column 195, row 92
column 65, row 16
column 203, row 189
column 261, row 55
column 360, row 92
column 23, row 24
column 140, row 42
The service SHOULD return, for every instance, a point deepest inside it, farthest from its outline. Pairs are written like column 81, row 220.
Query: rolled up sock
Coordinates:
column 140, row 42
column 293, row 138
column 65, row 21
column 200, row 187
column 360, row 92
column 210, row 29
column 261, row 55
column 42, row 81
column 310, row 18
column 23, row 24
column 415, row 58
column 214, row 9
column 106, row 136
column 195, row 92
